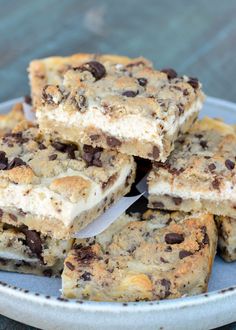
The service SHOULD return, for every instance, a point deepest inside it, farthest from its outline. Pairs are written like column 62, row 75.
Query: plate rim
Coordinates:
column 116, row 307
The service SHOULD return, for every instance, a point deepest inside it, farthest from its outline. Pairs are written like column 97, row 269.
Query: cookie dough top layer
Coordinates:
column 201, row 166
column 123, row 97
column 156, row 256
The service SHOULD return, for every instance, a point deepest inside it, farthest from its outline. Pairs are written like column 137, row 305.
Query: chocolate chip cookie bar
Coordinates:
column 57, row 188
column 116, row 103
column 227, row 237
column 200, row 174
column 9, row 120
column 159, row 255
column 27, row 251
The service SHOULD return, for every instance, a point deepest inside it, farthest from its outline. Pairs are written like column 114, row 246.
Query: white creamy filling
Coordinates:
column 41, row 201
column 162, row 188
column 130, row 126
column 10, row 255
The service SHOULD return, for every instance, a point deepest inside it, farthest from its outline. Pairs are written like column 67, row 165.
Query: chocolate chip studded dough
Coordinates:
column 200, row 174
column 56, row 188
column 157, row 256
column 9, row 120
column 27, row 251
column 227, row 237
column 114, row 102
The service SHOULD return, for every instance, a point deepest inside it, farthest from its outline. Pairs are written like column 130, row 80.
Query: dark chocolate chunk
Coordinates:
column 1, row 213
column 33, row 241
column 70, row 266
column 168, row 249
column 52, row 157
column 48, row 97
column 28, row 99
column 211, row 167
column 92, row 155
column 133, row 64
column 130, row 93
column 229, row 164
column 193, row 82
column 86, row 276
column 113, row 142
column 94, row 137
column 47, row 272
column 95, row 68
column 185, row 92
column 167, row 284
column 80, row 102
column 174, row 238
column 171, row 73
column 177, row 200
column 70, row 149
column 15, row 163
column 203, row 144
column 205, row 239
column 3, row 161
column 85, row 254
column 142, row 81
column 41, row 146
column 184, row 253
column 59, row 146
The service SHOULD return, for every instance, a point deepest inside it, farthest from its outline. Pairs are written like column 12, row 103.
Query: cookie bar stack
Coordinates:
column 94, row 113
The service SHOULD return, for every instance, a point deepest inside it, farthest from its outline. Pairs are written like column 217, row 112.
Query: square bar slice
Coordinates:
column 27, row 251
column 200, row 174
column 156, row 256
column 56, row 188
column 119, row 103
column 227, row 237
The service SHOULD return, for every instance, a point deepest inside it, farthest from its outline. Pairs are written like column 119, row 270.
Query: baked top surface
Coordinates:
column 118, row 87
column 11, row 119
column 161, row 255
column 203, row 161
column 57, row 174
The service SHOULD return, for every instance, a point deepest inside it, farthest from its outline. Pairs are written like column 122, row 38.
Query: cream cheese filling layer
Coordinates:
column 128, row 126
column 163, row 188
column 41, row 201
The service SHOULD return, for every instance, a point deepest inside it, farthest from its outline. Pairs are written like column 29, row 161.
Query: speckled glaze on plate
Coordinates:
column 36, row 301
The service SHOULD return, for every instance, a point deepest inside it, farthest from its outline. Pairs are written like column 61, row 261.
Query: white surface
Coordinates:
column 199, row 312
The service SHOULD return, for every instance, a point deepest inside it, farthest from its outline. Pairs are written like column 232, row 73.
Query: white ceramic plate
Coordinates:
column 36, row 301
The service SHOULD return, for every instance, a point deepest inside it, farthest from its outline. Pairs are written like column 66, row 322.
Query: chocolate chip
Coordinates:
column 142, row 81
column 193, row 82
column 229, row 164
column 177, row 200
column 205, row 239
column 203, row 144
column 216, row 183
column 184, row 253
column 211, row 167
column 15, row 163
column 86, row 276
column 70, row 266
column 95, row 68
column 41, row 146
column 33, row 241
column 3, row 161
column 167, row 284
column 59, row 146
column 171, row 73
column 158, row 205
column 168, row 249
column 133, row 64
column 130, row 93
column 94, row 137
column 80, row 102
column 155, row 152
column 113, row 142
column 185, row 92
column 85, row 254
column 174, row 238
column 70, row 149
column 53, row 99
column 92, row 155
column 28, row 99
column 13, row 217
column 199, row 136
column 1, row 213
column 47, row 272
column 52, row 157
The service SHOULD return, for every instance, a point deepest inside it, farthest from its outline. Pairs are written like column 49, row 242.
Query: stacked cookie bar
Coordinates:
column 95, row 113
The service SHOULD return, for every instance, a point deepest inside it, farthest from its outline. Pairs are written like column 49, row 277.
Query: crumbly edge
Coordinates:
column 34, row 268
column 168, row 202
column 127, row 146
column 226, row 237
column 56, row 228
